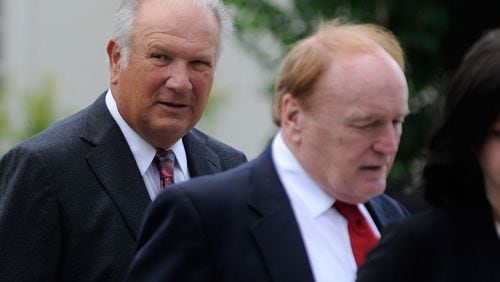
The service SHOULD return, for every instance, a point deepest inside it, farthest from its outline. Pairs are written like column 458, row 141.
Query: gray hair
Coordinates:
column 124, row 20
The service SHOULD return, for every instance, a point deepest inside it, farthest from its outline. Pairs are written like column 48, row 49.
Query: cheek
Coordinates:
column 353, row 143
column 490, row 158
column 202, row 84
column 334, row 151
column 493, row 162
column 151, row 79
column 203, row 80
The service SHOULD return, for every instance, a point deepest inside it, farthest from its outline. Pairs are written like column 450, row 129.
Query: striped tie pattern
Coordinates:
column 165, row 160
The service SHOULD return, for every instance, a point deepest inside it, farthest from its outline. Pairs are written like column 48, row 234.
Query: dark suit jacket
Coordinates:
column 235, row 226
column 72, row 199
column 449, row 245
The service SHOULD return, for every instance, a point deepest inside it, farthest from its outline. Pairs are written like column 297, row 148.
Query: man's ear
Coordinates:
column 291, row 118
column 114, row 56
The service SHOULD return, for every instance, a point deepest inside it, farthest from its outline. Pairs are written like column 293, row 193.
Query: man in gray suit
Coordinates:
column 72, row 198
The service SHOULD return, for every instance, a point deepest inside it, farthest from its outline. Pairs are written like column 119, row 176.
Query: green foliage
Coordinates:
column 434, row 35
column 39, row 112
column 3, row 109
column 39, row 108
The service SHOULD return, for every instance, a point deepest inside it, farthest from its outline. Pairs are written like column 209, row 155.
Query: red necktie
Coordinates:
column 360, row 233
column 165, row 160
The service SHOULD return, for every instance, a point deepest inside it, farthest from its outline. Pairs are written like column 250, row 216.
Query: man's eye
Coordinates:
column 398, row 122
column 200, row 65
column 160, row 57
column 363, row 125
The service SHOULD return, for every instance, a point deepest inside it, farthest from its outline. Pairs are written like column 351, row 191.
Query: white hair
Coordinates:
column 124, row 21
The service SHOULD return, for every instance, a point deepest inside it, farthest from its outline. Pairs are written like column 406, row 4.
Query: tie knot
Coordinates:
column 165, row 160
column 349, row 211
column 165, row 156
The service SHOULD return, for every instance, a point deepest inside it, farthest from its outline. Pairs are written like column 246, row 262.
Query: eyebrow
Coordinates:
column 358, row 115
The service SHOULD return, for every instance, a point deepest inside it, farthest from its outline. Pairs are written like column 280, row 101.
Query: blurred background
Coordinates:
column 53, row 63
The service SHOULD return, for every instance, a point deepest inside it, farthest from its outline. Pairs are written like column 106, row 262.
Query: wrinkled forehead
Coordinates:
column 177, row 17
column 181, row 12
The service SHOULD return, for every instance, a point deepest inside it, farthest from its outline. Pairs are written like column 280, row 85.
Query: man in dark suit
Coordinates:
column 340, row 101
column 72, row 198
column 458, row 239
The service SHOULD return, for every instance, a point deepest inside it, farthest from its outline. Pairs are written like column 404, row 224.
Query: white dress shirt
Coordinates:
column 323, row 229
column 144, row 153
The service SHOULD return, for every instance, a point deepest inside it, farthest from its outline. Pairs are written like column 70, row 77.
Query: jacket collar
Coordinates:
column 114, row 165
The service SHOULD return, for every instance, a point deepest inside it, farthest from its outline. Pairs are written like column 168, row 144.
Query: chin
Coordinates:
column 373, row 191
column 171, row 126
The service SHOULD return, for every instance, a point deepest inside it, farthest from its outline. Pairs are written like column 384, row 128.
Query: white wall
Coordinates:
column 61, row 39
column 67, row 40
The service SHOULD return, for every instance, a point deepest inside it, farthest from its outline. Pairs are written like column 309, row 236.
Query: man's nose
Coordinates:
column 388, row 141
column 178, row 79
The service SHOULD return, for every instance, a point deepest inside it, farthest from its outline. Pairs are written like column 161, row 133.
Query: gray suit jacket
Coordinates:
column 72, row 198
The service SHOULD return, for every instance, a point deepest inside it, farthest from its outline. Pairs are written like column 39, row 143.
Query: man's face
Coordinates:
column 163, row 89
column 351, row 125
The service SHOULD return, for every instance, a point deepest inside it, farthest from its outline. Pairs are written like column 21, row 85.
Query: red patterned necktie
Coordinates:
column 362, row 237
column 165, row 160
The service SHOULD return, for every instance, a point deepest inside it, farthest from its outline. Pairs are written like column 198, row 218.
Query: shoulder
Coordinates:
column 388, row 203
column 386, row 209
column 226, row 153
column 61, row 141
column 213, row 201
column 213, row 143
column 230, row 188
column 55, row 141
column 220, row 188
column 50, row 142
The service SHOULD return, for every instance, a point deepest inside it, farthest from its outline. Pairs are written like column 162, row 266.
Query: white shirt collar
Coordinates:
column 142, row 151
column 180, row 158
column 296, row 180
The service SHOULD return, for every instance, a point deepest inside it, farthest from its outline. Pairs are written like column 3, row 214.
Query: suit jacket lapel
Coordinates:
column 201, row 159
column 114, row 165
column 376, row 214
column 276, row 230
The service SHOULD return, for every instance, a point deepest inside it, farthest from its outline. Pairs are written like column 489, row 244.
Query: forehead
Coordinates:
column 184, row 19
column 371, row 81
